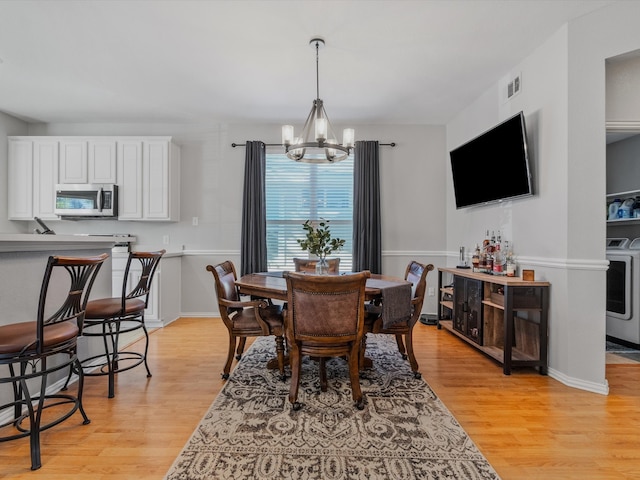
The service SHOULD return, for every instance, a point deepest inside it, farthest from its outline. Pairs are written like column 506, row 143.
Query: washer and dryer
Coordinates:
column 623, row 291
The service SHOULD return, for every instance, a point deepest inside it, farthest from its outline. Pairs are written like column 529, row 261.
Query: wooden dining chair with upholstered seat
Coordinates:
column 325, row 318
column 309, row 265
column 109, row 318
column 416, row 273
column 248, row 318
column 34, row 352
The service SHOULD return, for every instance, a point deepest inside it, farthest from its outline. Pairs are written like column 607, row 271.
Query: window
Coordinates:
column 296, row 192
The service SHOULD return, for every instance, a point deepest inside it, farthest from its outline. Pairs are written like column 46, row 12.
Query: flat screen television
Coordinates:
column 492, row 167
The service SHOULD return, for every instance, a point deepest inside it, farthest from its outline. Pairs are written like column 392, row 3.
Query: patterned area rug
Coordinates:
column 404, row 432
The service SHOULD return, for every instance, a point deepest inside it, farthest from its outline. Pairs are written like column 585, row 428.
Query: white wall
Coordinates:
column 623, row 101
column 212, row 173
column 8, row 126
column 560, row 233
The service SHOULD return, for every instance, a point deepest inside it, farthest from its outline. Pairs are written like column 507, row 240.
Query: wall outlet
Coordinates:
column 165, row 239
column 432, row 292
column 194, row 221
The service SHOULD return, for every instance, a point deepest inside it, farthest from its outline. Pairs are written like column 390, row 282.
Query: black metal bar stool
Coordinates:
column 108, row 318
column 27, row 348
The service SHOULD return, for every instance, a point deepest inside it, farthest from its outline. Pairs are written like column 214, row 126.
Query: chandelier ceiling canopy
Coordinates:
column 317, row 143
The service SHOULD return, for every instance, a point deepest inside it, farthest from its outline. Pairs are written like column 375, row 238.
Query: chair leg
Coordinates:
column 232, row 347
column 354, row 374
column 66, row 383
column 323, row 373
column 78, row 365
column 363, row 348
column 411, row 355
column 146, row 347
column 280, row 355
column 35, row 415
column 111, row 353
column 401, row 348
column 296, row 363
column 364, row 361
column 240, row 350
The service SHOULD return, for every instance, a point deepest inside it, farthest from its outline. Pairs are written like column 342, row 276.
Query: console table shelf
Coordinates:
column 503, row 317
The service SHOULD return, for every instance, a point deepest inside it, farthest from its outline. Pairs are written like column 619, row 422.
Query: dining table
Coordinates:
column 273, row 285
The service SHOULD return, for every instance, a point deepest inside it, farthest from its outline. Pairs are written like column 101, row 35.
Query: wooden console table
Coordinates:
column 504, row 317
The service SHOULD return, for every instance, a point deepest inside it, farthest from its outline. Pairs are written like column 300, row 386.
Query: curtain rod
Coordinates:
column 234, row 145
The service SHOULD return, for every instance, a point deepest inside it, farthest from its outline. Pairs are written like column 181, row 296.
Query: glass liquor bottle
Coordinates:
column 475, row 259
column 510, row 261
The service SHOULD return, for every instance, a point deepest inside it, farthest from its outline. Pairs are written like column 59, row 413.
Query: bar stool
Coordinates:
column 108, row 318
column 26, row 349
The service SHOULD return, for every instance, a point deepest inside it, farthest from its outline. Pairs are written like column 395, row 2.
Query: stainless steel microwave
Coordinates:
column 86, row 200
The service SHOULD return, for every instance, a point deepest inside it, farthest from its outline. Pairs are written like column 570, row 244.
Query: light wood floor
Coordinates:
column 527, row 425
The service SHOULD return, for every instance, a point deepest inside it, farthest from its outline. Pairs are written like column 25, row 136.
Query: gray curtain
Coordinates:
column 367, row 234
column 253, row 248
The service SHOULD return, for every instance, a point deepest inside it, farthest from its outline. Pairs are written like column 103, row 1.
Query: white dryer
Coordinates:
column 623, row 291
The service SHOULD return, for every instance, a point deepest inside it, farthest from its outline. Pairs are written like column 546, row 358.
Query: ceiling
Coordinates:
column 242, row 61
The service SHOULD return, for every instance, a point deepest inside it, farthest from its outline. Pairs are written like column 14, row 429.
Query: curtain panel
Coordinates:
column 367, row 232
column 253, row 248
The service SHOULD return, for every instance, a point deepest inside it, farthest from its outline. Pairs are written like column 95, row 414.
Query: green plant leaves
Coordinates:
column 318, row 241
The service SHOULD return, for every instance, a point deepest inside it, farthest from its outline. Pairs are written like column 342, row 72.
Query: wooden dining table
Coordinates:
column 273, row 285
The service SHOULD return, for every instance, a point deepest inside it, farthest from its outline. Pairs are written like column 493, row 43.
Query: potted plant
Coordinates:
column 318, row 242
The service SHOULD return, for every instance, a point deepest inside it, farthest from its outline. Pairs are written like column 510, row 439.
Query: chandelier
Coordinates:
column 317, row 143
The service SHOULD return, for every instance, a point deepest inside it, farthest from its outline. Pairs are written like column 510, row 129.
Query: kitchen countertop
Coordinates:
column 29, row 242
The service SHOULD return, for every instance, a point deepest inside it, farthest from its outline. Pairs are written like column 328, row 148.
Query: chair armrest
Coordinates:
column 243, row 304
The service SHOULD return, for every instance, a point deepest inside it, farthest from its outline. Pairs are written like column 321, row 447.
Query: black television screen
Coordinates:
column 492, row 167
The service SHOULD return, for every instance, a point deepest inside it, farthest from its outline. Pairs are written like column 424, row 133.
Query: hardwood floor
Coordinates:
column 528, row 426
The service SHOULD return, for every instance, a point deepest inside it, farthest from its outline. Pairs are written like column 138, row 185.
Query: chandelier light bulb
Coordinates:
column 287, row 134
column 348, row 137
column 321, row 129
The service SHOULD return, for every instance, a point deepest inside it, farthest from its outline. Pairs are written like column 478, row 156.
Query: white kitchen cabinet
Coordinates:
column 88, row 160
column 130, row 179
column 149, row 179
column 101, row 161
column 32, row 175
column 73, row 161
column 146, row 170
column 161, row 180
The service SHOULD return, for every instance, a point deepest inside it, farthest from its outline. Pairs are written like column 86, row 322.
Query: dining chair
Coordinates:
column 27, row 348
column 246, row 318
column 309, row 265
column 325, row 318
column 109, row 318
column 416, row 273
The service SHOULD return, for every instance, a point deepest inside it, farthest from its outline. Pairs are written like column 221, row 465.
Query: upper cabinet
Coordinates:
column 146, row 170
column 101, row 161
column 130, row 179
column 73, row 161
column 88, row 160
column 149, row 179
column 161, row 180
column 32, row 174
